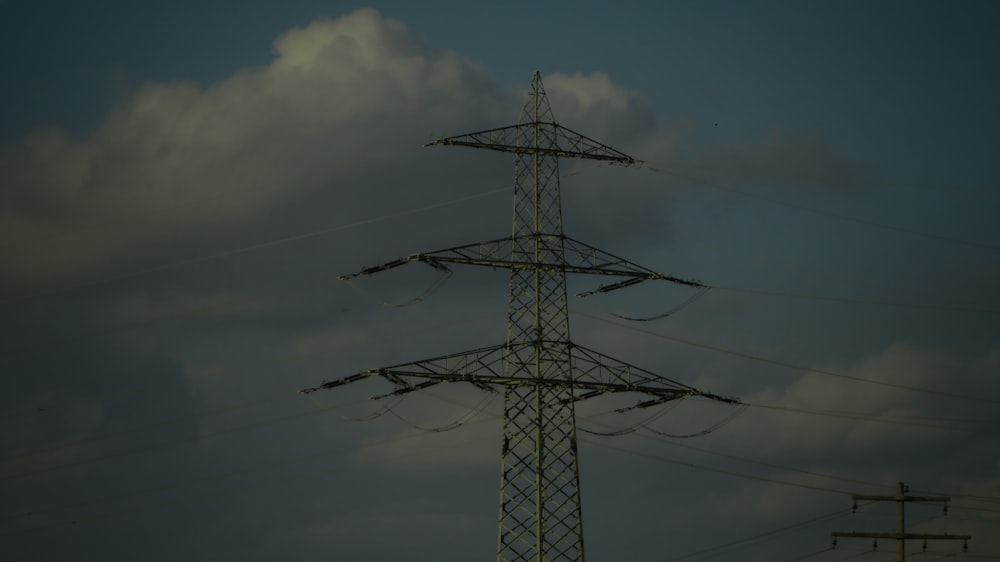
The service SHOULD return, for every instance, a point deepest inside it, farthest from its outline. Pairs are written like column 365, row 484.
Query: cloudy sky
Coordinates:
column 182, row 182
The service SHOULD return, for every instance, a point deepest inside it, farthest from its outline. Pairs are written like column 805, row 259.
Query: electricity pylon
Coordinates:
column 901, row 536
column 542, row 371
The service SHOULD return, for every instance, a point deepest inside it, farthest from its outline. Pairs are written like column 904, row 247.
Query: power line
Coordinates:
column 876, row 302
column 769, row 464
column 982, row 498
column 475, row 409
column 462, row 420
column 878, row 418
column 826, row 275
column 660, row 439
column 979, row 509
column 542, row 373
column 174, row 443
column 133, row 199
column 253, row 247
column 753, row 538
column 218, row 372
column 234, row 303
column 830, row 214
column 790, row 365
column 147, row 427
column 465, row 420
column 764, row 535
column 661, row 458
column 221, row 493
column 900, row 535
column 808, row 555
column 148, row 387
column 963, row 555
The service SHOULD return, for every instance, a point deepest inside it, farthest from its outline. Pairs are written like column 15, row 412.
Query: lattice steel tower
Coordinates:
column 542, row 371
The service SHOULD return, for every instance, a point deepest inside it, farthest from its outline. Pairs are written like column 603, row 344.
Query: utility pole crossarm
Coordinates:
column 904, row 498
column 560, row 142
column 562, row 253
column 902, row 536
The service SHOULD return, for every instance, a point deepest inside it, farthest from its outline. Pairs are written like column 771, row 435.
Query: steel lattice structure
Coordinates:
column 542, row 371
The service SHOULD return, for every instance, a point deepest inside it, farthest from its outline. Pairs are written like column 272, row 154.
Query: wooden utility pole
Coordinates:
column 901, row 536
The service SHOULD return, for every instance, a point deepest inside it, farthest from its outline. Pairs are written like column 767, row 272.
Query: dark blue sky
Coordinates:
column 180, row 184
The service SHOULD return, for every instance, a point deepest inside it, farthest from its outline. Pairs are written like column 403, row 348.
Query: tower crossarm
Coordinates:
column 573, row 257
column 488, row 361
column 556, row 141
column 592, row 366
column 594, row 374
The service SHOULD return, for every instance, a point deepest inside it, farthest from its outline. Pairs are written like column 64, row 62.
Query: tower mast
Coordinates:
column 542, row 371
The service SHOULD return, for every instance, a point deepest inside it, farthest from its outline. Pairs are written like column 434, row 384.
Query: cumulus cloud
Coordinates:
column 340, row 96
column 612, row 113
column 863, row 433
column 324, row 132
column 899, row 364
column 327, row 133
column 344, row 105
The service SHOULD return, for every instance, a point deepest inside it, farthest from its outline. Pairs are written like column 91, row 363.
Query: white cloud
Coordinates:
column 928, row 450
column 340, row 96
column 582, row 92
column 899, row 364
column 345, row 103
column 594, row 105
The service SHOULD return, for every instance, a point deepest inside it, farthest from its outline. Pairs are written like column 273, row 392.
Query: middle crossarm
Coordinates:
column 577, row 257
